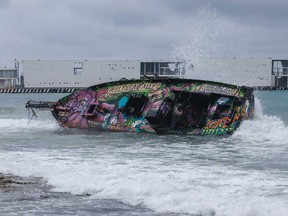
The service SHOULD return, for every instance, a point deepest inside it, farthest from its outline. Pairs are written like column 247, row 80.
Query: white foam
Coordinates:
column 13, row 125
column 263, row 128
column 183, row 188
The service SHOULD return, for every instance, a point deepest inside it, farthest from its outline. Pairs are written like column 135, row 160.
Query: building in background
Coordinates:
column 78, row 73
column 84, row 73
column 280, row 72
column 8, row 77
column 250, row 72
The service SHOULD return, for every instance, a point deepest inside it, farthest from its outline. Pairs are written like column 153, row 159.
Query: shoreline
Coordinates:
column 9, row 181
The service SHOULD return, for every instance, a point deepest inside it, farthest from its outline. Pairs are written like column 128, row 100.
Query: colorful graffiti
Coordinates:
column 198, row 107
column 74, row 109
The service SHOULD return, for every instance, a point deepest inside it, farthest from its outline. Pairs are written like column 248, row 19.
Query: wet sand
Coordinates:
column 32, row 196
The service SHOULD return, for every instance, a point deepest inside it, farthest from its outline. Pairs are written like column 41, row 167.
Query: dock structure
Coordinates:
column 39, row 90
column 270, row 88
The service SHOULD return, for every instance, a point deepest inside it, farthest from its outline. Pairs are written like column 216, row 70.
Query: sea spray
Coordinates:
column 211, row 37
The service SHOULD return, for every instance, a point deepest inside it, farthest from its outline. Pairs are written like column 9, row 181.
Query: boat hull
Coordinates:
column 158, row 105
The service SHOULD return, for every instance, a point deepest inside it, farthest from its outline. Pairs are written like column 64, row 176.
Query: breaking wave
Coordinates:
column 263, row 128
column 12, row 125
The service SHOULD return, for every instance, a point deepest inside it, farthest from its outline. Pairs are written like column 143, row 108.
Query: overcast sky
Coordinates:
column 142, row 29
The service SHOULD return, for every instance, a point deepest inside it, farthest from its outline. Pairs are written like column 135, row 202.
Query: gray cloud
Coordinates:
column 141, row 29
column 266, row 13
column 3, row 4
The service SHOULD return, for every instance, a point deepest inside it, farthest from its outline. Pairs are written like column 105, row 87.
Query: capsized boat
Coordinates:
column 157, row 105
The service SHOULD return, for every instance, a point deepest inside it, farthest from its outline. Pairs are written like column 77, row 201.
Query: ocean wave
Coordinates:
column 263, row 128
column 191, row 189
column 11, row 125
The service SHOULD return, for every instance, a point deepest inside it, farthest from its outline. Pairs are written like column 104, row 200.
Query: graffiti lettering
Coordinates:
column 208, row 88
column 130, row 87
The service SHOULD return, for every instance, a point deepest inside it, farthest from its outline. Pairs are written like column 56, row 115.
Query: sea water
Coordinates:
column 87, row 172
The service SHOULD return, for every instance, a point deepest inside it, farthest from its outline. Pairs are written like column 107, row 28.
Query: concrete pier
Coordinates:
column 39, row 90
column 270, row 88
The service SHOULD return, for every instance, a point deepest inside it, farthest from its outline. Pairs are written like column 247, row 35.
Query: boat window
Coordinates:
column 166, row 107
column 190, row 109
column 223, row 107
column 185, row 111
column 133, row 104
column 161, row 118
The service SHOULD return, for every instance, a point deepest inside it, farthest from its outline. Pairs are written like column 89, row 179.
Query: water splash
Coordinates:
column 203, row 36
column 263, row 129
column 211, row 37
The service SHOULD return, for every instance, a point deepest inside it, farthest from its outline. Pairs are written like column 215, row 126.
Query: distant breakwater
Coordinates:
column 39, row 90
column 71, row 90
column 270, row 88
